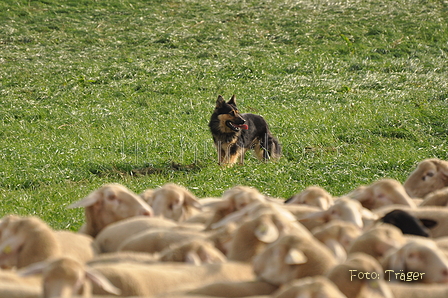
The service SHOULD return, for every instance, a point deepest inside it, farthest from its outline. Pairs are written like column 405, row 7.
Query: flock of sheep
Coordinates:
column 386, row 240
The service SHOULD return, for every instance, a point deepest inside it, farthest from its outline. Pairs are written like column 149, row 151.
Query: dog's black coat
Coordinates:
column 234, row 133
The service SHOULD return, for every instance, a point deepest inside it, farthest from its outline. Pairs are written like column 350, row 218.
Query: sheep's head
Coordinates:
column 430, row 174
column 345, row 277
column 194, row 252
column 173, row 201
column 239, row 197
column 421, row 256
column 344, row 209
column 313, row 196
column 111, row 203
column 378, row 241
column 65, row 277
column 292, row 257
column 382, row 193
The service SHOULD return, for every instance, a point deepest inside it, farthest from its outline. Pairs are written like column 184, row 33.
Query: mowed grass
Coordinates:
column 94, row 92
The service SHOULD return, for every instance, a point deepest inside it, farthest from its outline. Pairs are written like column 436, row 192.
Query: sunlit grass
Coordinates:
column 122, row 91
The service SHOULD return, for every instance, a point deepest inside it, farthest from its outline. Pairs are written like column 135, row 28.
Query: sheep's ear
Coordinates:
column 99, row 279
column 193, row 258
column 429, row 223
column 232, row 217
column 220, row 101
column 267, row 232
column 232, row 101
column 295, row 257
column 190, row 200
column 284, row 213
column 337, row 249
column 33, row 269
column 442, row 167
column 90, row 200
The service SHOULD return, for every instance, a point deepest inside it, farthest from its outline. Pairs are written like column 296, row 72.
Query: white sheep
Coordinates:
column 108, row 204
column 313, row 196
column 174, row 202
column 418, row 290
column 338, row 236
column 233, row 199
column 344, row 209
column 251, row 237
column 27, row 240
column 430, row 175
column 145, row 280
column 421, row 257
column 197, row 252
column 438, row 197
column 377, row 241
column 234, row 289
column 65, row 277
column 148, row 196
column 153, row 241
column 112, row 236
column 309, row 287
column 14, row 286
column 360, row 276
column 382, row 193
column 292, row 257
column 253, row 210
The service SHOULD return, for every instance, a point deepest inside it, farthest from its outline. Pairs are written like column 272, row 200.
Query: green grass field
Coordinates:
column 122, row 91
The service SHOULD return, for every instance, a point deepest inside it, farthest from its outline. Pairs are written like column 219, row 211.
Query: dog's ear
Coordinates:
column 220, row 101
column 232, row 101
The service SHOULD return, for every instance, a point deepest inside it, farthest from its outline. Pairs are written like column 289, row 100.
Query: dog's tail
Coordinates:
column 271, row 146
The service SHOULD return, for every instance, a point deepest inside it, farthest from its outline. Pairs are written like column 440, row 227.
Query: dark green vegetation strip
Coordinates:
column 121, row 91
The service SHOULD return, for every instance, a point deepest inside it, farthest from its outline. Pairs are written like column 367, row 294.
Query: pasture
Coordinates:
column 94, row 92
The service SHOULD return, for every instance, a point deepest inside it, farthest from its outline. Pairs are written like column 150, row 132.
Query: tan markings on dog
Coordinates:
column 225, row 152
column 257, row 149
column 222, row 123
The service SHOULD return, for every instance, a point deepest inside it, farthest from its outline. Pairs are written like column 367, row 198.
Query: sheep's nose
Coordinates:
column 445, row 272
column 146, row 213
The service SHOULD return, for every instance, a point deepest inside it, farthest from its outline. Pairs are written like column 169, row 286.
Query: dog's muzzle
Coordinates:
column 236, row 127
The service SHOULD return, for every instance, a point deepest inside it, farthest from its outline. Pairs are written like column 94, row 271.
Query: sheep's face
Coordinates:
column 424, row 258
column 115, row 203
column 387, row 192
column 313, row 196
column 111, row 203
column 173, row 201
column 347, row 210
column 430, row 175
column 12, row 239
column 352, row 286
column 241, row 196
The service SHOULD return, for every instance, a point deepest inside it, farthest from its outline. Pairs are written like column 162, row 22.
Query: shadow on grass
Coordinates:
column 128, row 170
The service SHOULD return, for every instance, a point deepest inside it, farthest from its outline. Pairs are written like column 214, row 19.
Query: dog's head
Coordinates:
column 228, row 113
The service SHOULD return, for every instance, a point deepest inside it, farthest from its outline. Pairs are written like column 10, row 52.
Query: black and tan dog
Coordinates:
column 235, row 133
